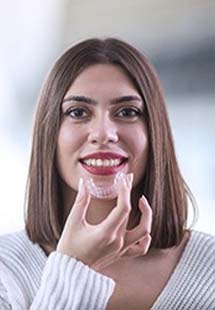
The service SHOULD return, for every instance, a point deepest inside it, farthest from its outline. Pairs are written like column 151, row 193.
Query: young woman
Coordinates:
column 106, row 221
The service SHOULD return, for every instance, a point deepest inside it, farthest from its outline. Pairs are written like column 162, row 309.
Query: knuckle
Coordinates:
column 126, row 209
column 146, row 232
column 148, row 238
column 147, row 243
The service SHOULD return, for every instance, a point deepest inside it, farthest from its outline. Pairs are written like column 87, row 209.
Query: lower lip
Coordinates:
column 103, row 170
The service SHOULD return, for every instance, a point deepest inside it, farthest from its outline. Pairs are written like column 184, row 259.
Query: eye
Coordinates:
column 77, row 113
column 129, row 112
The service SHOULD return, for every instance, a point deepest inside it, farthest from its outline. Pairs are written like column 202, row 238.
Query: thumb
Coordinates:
column 82, row 201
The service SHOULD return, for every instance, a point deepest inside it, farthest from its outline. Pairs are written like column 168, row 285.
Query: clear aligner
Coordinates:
column 106, row 191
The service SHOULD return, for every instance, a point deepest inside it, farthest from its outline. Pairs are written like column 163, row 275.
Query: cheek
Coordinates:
column 67, row 140
column 138, row 140
column 139, row 146
column 67, row 144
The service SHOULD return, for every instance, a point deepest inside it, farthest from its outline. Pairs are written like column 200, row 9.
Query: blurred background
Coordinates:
column 178, row 37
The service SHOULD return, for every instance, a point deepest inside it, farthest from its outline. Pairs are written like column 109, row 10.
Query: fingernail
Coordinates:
column 144, row 199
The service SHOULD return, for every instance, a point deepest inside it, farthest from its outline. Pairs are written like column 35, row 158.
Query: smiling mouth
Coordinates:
column 103, row 166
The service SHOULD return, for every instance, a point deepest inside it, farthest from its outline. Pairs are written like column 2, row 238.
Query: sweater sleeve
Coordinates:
column 69, row 284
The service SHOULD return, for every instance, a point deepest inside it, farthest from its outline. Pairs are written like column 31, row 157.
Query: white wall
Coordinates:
column 193, row 123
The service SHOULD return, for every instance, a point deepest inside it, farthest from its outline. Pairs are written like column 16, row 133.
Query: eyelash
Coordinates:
column 74, row 110
column 137, row 112
column 131, row 110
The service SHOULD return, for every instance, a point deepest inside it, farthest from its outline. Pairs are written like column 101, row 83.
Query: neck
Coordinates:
column 99, row 209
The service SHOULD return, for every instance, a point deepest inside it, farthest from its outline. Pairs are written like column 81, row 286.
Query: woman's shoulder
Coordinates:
column 20, row 259
column 13, row 243
column 12, row 236
column 200, row 250
column 17, row 246
column 203, row 239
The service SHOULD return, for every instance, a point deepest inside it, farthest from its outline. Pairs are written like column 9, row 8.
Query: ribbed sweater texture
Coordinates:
column 31, row 280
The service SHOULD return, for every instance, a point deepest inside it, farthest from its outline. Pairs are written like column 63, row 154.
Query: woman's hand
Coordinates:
column 102, row 244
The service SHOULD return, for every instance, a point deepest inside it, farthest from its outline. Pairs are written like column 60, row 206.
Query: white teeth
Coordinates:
column 106, row 162
column 99, row 162
column 102, row 163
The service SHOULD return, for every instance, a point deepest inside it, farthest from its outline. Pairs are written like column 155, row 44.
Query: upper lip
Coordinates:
column 104, row 155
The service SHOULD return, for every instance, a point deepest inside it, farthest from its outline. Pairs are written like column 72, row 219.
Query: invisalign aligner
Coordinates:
column 107, row 191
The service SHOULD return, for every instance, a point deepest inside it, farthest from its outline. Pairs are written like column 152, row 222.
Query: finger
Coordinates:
column 144, row 227
column 122, row 228
column 117, row 216
column 81, row 203
column 146, row 215
column 139, row 248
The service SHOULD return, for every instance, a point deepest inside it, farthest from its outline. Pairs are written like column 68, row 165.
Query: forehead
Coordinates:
column 103, row 77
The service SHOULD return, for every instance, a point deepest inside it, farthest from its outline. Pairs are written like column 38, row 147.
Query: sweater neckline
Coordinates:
column 178, row 272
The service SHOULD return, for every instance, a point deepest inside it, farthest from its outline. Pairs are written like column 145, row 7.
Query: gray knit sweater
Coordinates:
column 30, row 280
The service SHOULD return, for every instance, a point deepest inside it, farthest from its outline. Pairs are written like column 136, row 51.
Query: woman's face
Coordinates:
column 102, row 130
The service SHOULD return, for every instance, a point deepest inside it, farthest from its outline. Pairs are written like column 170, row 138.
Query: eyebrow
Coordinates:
column 88, row 100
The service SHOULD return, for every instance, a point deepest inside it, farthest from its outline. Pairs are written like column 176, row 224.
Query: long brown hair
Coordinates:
column 163, row 184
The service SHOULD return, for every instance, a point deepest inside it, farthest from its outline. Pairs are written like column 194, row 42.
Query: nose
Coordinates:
column 102, row 131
